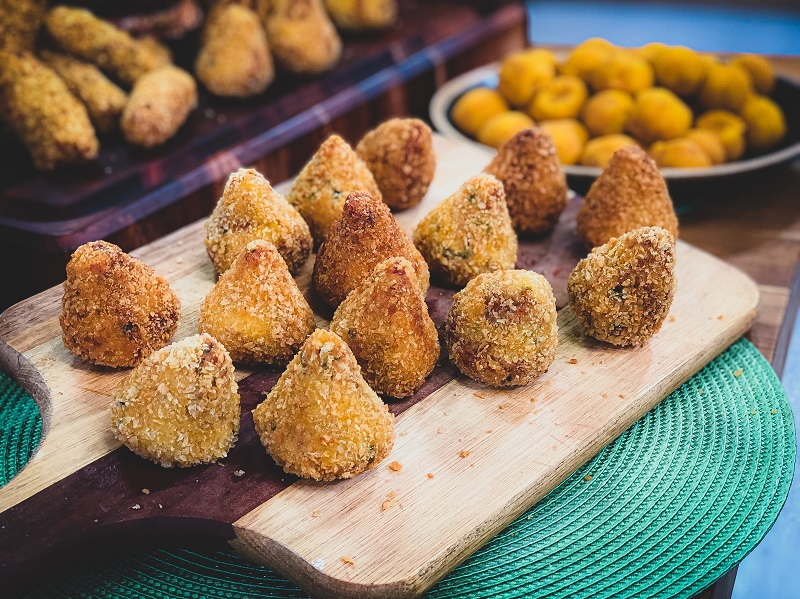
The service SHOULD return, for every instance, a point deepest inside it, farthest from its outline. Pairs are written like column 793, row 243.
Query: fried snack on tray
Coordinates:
column 321, row 188
column 80, row 33
column 40, row 109
column 569, row 136
column 471, row 111
column 681, row 152
column 501, row 329
column 535, row 187
column 523, row 73
column 116, row 310
column 159, row 104
column 322, row 420
column 759, row 69
column 356, row 15
column 366, row 234
column 629, row 194
column 607, row 112
column 658, row 114
column 180, row 406
column 19, row 24
column 302, row 36
column 729, row 128
column 621, row 293
column 256, row 310
column 498, row 129
column 399, row 153
column 234, row 58
column 765, row 122
column 250, row 209
column 385, row 323
column 103, row 99
column 560, row 98
column 468, row 233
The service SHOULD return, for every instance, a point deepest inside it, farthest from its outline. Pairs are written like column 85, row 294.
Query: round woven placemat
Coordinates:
column 665, row 510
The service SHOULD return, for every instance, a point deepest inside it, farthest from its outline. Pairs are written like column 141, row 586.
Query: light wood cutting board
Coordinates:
column 473, row 458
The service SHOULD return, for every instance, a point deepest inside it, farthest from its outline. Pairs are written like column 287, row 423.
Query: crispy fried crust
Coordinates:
column 321, row 188
column 356, row 15
column 256, row 310
column 385, row 323
column 501, row 329
column 622, row 291
column 250, row 209
column 468, row 233
column 302, row 36
column 179, row 407
column 159, row 104
column 629, row 194
column 104, row 100
column 116, row 310
column 536, row 188
column 19, row 24
column 321, row 420
column 80, row 33
column 38, row 106
column 365, row 235
column 234, row 57
column 400, row 155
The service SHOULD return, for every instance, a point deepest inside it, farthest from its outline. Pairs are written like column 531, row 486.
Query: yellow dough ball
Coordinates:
column 502, row 127
column 659, row 114
column 475, row 107
column 561, row 98
column 607, row 112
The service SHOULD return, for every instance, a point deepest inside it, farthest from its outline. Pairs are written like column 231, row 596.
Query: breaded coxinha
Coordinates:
column 630, row 193
column 386, row 324
column 322, row 420
column 250, row 209
column 180, row 406
column 468, row 233
column 501, row 329
column 116, row 310
column 622, row 291
column 256, row 309
column 356, row 15
column 366, row 234
column 536, row 188
column 302, row 36
column 323, row 185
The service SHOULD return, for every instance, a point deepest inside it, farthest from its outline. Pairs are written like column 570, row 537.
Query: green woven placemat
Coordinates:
column 664, row 511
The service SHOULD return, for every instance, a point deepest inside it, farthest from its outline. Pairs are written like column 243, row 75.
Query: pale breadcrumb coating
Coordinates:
column 250, row 209
column 19, row 23
column 78, row 32
column 116, row 310
column 468, row 233
column 501, row 329
column 400, row 155
column 629, row 194
column 536, row 189
column 386, row 324
column 321, row 420
column 159, row 104
column 366, row 234
column 179, row 407
column 38, row 106
column 256, row 310
column 104, row 100
column 302, row 36
column 622, row 291
column 321, row 188
column 234, row 57
column 356, row 15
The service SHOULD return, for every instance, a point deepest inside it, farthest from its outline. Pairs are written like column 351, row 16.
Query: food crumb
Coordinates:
column 604, row 395
column 587, row 478
column 502, row 406
column 348, row 561
column 754, row 411
column 773, row 411
column 533, row 399
column 622, row 396
column 315, row 514
column 430, row 475
column 96, row 520
column 699, row 391
column 672, row 318
column 239, row 473
column 572, row 361
column 738, row 372
column 480, row 394
column 136, row 506
column 489, row 432
column 472, row 465
column 404, row 433
column 395, row 466
column 389, row 502
column 720, row 317
column 161, row 507
column 146, row 491
column 463, row 453
column 179, row 260
column 439, row 431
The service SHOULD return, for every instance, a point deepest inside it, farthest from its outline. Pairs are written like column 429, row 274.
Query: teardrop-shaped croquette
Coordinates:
column 116, row 310
column 536, row 189
column 302, row 36
column 630, row 193
column 250, row 209
column 400, row 155
column 256, row 309
column 180, row 406
column 323, row 185
column 468, row 233
column 321, row 420
column 385, row 323
column 365, row 235
column 501, row 329
column 622, row 291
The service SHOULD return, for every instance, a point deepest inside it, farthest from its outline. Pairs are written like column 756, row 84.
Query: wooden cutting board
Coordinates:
column 473, row 458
